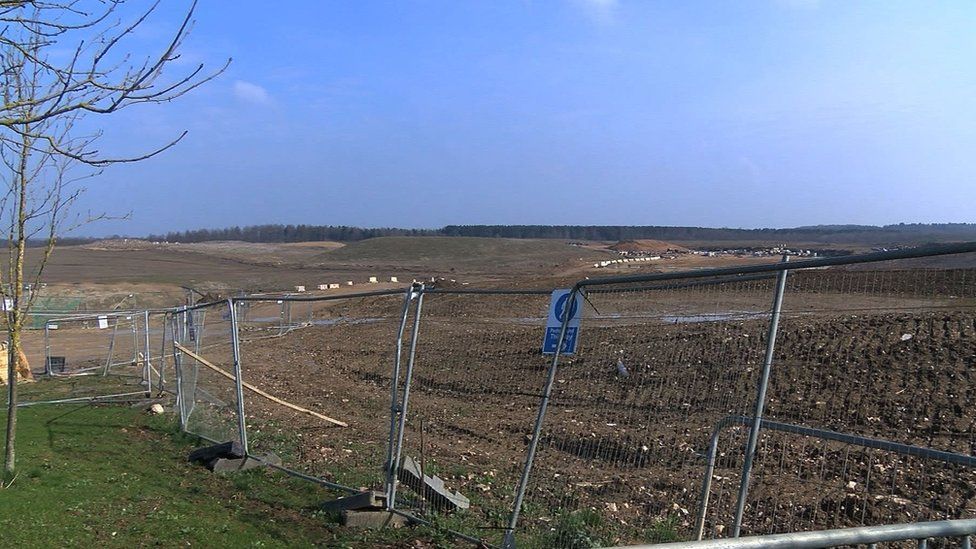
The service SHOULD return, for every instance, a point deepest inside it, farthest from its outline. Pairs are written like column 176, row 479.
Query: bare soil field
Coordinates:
column 72, row 264
column 279, row 267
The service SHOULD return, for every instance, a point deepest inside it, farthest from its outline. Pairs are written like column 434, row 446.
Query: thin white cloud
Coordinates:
column 599, row 11
column 251, row 93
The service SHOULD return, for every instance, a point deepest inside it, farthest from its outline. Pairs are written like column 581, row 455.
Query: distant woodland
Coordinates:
column 900, row 234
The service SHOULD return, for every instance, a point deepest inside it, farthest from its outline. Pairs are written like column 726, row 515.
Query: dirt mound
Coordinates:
column 647, row 246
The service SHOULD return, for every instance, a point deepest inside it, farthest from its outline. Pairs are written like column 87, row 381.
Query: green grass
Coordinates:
column 112, row 476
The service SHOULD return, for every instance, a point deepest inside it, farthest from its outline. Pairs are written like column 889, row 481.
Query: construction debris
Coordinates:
column 368, row 500
column 431, row 488
column 209, row 454
column 365, row 510
column 230, row 457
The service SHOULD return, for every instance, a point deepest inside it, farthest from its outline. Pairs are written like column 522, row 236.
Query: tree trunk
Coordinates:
column 9, row 457
column 14, row 318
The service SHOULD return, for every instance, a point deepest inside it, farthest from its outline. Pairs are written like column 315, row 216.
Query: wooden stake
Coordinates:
column 250, row 387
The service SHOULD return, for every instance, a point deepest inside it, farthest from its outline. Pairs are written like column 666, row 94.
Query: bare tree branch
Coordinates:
column 44, row 95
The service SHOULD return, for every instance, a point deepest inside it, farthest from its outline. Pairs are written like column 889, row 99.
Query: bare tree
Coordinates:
column 60, row 62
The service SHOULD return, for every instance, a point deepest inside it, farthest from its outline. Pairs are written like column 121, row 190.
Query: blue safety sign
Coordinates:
column 559, row 307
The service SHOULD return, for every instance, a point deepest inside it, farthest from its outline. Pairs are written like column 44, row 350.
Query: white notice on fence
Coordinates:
column 102, row 322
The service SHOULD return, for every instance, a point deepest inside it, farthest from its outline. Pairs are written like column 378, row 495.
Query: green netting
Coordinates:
column 46, row 307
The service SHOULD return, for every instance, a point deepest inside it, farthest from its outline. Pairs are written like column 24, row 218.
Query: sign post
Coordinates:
column 559, row 307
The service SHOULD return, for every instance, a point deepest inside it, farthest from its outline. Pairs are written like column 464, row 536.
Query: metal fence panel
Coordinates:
column 879, row 352
column 338, row 363
column 631, row 414
column 102, row 344
column 474, row 389
column 204, row 359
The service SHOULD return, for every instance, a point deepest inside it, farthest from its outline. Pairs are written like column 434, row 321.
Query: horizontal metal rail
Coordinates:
column 880, row 444
column 490, row 291
column 679, row 285
column 819, row 539
column 303, row 476
column 294, row 298
column 88, row 318
column 84, row 400
column 910, row 253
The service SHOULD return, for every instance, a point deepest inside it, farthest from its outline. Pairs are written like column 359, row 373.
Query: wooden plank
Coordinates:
column 254, row 389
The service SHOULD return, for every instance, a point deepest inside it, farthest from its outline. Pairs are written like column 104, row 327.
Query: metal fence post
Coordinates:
column 147, row 366
column 391, row 501
column 707, row 480
column 198, row 319
column 162, row 356
column 47, row 350
column 238, row 382
column 760, row 401
column 135, row 339
column 178, row 369
column 281, row 317
column 111, row 347
column 509, row 541
column 394, row 394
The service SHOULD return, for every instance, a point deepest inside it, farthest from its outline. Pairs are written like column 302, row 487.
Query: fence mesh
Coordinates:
column 621, row 454
column 91, row 356
column 278, row 315
column 161, row 353
column 880, row 354
column 474, row 392
column 883, row 353
column 102, row 344
column 338, row 364
column 208, row 393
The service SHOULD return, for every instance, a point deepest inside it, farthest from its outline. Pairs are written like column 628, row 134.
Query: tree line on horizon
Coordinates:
column 902, row 233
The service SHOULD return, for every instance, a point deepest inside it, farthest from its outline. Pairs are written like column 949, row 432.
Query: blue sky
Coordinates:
column 764, row 113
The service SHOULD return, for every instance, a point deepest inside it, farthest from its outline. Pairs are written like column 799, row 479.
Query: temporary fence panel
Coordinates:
column 689, row 356
column 630, row 416
column 204, row 360
column 95, row 356
column 474, row 387
column 318, row 396
column 102, row 344
column 272, row 316
column 883, row 353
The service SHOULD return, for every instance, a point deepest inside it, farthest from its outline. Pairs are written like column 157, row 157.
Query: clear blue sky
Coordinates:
column 764, row 113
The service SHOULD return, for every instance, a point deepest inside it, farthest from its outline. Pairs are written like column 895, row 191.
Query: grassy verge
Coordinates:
column 112, row 476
